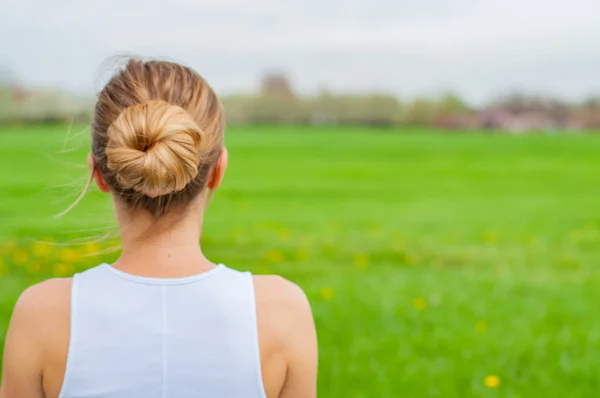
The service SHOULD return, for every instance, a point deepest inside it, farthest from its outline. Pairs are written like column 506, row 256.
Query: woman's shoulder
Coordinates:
column 281, row 304
column 41, row 304
column 42, row 311
column 287, row 337
column 45, row 294
column 278, row 291
column 38, row 328
column 44, row 301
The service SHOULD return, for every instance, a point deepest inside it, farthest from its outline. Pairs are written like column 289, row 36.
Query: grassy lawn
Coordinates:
column 437, row 265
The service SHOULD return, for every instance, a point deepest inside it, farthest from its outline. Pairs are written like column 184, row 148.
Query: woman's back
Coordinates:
column 148, row 337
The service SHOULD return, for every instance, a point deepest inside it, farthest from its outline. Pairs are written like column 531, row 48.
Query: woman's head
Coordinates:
column 157, row 136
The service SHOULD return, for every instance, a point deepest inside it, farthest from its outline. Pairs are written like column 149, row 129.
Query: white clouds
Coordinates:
column 405, row 46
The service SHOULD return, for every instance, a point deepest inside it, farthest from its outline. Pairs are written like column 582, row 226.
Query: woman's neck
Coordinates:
column 168, row 247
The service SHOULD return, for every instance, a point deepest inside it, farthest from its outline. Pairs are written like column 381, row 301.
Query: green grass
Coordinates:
column 431, row 260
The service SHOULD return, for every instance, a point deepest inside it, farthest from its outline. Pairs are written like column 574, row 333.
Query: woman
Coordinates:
column 162, row 321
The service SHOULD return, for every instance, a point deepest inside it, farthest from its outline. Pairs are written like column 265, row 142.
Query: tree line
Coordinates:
column 277, row 103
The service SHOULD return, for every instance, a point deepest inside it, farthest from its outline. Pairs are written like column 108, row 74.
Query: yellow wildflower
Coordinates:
column 68, row 256
column 361, row 260
column 41, row 249
column 492, row 381
column 20, row 257
column 481, row 327
column 410, row 259
column 420, row 304
column 327, row 293
column 7, row 247
column 62, row 269
column 34, row 268
column 489, row 237
column 284, row 235
column 274, row 256
column 92, row 248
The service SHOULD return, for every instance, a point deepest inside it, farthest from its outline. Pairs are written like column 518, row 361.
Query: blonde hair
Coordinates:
column 156, row 135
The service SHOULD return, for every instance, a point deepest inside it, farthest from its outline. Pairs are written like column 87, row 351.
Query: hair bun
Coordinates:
column 154, row 148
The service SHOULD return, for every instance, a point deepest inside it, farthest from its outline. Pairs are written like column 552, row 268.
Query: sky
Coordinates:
column 408, row 48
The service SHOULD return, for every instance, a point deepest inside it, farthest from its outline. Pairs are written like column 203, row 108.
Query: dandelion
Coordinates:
column 327, row 293
column 41, row 249
column 68, row 255
column 489, row 237
column 410, row 259
column 34, row 268
column 9, row 246
column 20, row 257
column 91, row 248
column 492, row 381
column 420, row 304
column 62, row 269
column 361, row 260
column 284, row 235
column 481, row 327
column 274, row 256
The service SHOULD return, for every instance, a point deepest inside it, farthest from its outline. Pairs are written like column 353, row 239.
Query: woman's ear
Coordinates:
column 100, row 182
column 219, row 170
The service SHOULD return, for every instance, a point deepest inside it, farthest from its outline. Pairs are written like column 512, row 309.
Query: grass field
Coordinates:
column 437, row 265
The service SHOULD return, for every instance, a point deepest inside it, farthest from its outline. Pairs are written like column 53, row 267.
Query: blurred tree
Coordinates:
column 420, row 112
column 276, row 84
column 452, row 112
column 452, row 102
column 381, row 110
column 587, row 115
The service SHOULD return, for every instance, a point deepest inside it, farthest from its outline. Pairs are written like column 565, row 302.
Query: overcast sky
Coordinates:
column 406, row 47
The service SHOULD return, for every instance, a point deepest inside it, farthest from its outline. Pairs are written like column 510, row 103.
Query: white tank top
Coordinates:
column 138, row 337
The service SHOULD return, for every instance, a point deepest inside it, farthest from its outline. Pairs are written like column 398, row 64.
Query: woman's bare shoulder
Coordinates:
column 283, row 307
column 286, row 331
column 38, row 324
column 278, row 294
column 44, row 301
